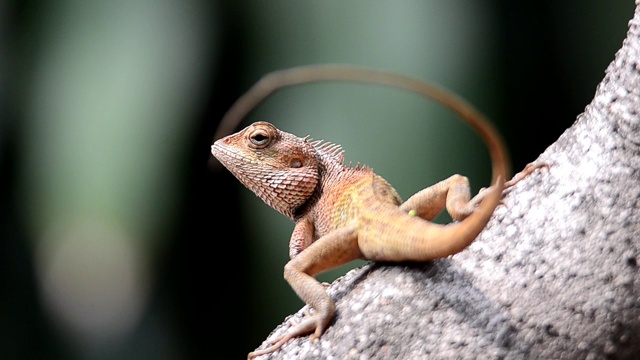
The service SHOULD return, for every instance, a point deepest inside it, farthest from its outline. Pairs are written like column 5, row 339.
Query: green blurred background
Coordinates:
column 121, row 240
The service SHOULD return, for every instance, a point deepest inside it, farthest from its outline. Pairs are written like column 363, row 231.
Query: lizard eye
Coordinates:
column 260, row 138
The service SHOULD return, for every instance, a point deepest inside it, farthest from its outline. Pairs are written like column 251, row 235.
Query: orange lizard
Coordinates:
column 344, row 213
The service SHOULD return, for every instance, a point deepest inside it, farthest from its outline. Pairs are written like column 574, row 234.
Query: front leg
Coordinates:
column 330, row 251
column 301, row 237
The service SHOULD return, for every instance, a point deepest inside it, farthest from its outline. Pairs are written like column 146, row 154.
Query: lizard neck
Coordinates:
column 330, row 173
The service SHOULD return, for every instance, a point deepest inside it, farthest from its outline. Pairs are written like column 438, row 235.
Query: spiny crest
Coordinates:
column 326, row 148
column 359, row 166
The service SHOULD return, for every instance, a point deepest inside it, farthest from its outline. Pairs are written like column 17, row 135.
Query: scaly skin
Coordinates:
column 343, row 213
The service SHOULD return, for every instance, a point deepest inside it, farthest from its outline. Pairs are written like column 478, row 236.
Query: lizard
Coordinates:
column 342, row 212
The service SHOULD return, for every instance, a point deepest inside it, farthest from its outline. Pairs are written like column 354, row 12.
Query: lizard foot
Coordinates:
column 482, row 193
column 530, row 168
column 307, row 326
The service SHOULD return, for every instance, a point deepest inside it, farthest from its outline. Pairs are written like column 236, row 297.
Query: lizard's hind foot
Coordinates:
column 528, row 170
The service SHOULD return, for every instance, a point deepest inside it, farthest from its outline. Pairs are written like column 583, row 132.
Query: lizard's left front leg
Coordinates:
column 330, row 251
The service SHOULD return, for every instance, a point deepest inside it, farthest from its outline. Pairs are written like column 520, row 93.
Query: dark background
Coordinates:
column 206, row 288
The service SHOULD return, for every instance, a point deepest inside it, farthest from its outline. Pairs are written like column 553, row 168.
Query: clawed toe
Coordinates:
column 528, row 170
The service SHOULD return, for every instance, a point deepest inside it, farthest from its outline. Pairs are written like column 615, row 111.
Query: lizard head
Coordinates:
column 280, row 168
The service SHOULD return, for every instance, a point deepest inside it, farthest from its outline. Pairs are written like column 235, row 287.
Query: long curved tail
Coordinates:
column 280, row 79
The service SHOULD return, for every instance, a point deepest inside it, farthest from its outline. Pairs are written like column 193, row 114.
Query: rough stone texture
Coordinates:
column 554, row 276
